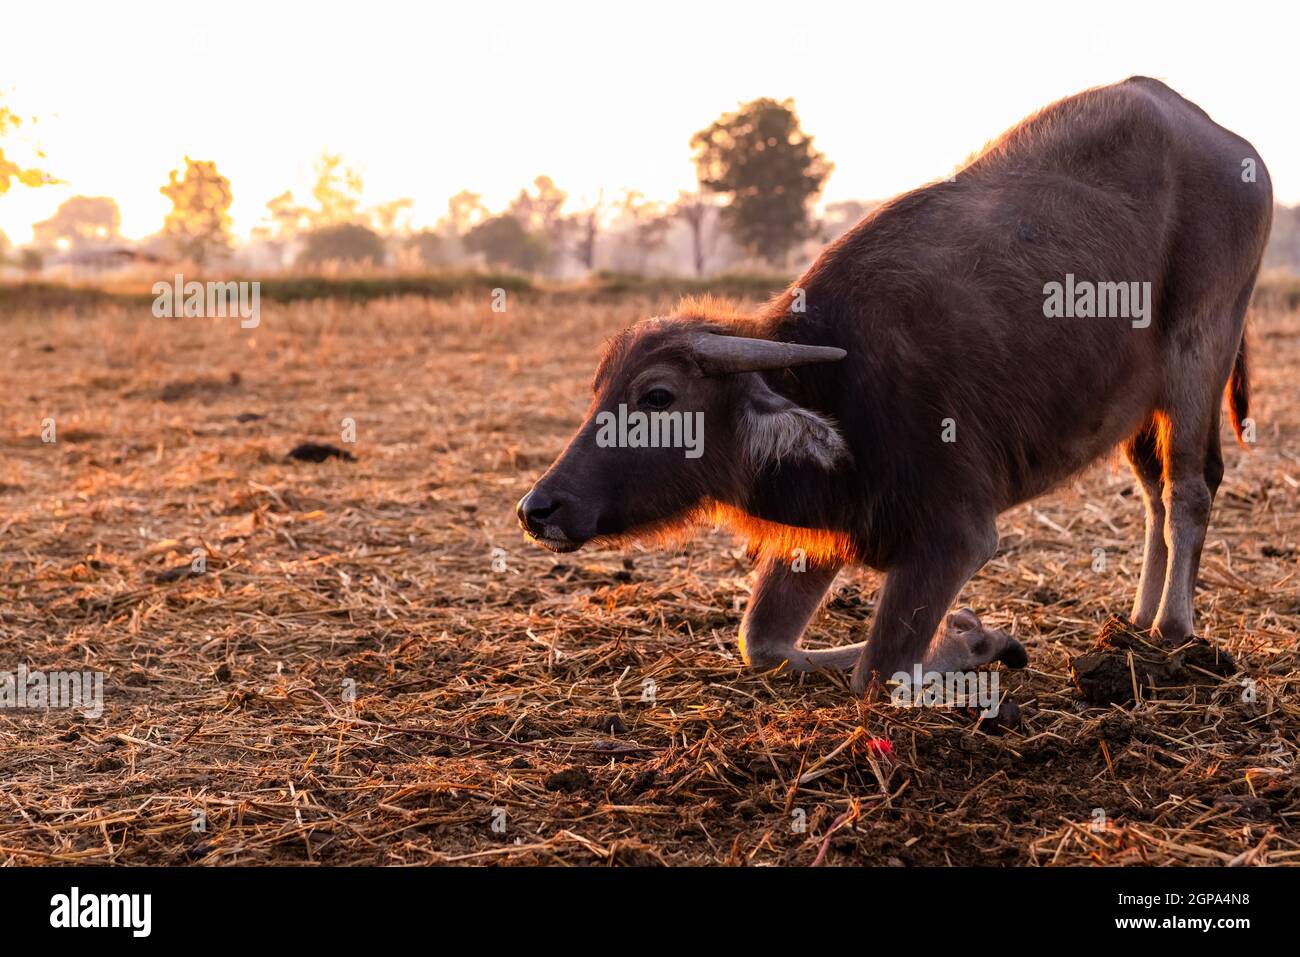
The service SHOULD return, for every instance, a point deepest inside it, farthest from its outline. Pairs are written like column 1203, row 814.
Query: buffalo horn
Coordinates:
column 722, row 355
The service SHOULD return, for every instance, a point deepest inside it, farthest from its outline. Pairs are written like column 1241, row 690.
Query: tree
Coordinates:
column 465, row 210
column 287, row 218
column 700, row 216
column 430, row 248
column 10, row 170
column 392, row 217
column 337, row 192
column 280, row 226
column 587, row 226
column 80, row 222
column 343, row 242
column 503, row 241
column 539, row 210
column 541, row 213
column 199, row 221
column 646, row 229
column 760, row 159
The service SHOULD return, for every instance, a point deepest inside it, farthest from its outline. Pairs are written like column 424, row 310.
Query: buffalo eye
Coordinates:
column 657, row 398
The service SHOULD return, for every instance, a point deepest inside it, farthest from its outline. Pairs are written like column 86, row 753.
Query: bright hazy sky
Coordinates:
column 427, row 99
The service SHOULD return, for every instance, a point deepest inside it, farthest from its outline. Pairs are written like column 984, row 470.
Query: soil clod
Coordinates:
column 317, row 452
column 568, row 781
column 1126, row 662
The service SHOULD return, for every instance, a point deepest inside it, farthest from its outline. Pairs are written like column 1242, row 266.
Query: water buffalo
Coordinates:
column 1082, row 283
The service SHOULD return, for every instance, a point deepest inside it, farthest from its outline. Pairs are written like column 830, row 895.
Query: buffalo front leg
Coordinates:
column 917, row 593
column 781, row 605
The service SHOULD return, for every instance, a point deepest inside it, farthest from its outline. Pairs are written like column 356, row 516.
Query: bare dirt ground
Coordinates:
column 502, row 708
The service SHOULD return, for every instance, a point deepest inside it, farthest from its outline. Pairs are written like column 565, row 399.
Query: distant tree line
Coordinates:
column 758, row 173
column 758, row 176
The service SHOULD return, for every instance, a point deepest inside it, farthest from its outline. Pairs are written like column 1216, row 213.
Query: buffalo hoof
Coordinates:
column 966, row 645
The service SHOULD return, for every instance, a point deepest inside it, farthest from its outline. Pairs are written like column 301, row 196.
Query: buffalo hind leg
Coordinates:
column 917, row 593
column 1193, row 469
column 964, row 644
column 1144, row 457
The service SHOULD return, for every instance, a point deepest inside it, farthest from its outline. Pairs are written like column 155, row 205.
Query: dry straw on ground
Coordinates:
column 513, row 687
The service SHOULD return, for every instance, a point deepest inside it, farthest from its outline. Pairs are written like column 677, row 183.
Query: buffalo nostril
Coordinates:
column 543, row 511
column 533, row 509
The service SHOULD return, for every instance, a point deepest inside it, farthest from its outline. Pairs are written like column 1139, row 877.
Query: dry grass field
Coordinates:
column 510, row 687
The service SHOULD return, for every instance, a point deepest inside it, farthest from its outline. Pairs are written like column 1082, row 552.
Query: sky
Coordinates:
column 425, row 100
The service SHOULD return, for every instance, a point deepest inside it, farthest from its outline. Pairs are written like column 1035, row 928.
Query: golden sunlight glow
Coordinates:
column 770, row 540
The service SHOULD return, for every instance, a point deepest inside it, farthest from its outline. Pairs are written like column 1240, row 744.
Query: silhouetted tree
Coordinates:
column 504, row 241
column 699, row 214
column 81, row 221
column 541, row 213
column 391, row 217
column 646, row 229
column 431, row 248
column 465, row 210
column 337, row 192
column 199, row 221
column 287, row 218
column 343, row 242
column 763, row 162
column 586, row 226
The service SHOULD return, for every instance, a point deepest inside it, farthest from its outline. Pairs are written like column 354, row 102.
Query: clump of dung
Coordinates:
column 318, row 452
column 1126, row 661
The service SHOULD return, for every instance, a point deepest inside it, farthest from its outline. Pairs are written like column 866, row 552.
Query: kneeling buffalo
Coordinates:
column 1080, row 284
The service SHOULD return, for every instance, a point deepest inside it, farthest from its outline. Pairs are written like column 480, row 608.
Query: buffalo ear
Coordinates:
column 773, row 430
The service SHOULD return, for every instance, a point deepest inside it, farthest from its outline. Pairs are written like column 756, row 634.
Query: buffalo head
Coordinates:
column 681, row 417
